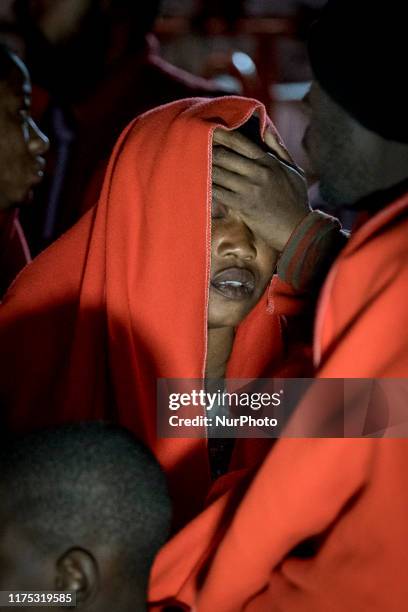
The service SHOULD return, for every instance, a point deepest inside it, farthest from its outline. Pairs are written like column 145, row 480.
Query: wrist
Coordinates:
column 310, row 250
column 291, row 227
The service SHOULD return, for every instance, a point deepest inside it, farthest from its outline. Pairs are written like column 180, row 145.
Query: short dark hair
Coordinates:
column 85, row 483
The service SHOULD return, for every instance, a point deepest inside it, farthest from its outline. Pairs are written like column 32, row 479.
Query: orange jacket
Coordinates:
column 322, row 526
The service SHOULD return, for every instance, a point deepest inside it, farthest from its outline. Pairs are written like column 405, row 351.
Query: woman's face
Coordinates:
column 242, row 264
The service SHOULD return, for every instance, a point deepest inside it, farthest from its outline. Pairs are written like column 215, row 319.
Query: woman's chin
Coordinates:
column 225, row 318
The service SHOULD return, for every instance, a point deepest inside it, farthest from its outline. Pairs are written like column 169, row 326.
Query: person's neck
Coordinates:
column 220, row 341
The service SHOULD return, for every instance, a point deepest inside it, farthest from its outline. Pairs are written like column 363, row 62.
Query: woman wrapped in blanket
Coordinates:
column 170, row 275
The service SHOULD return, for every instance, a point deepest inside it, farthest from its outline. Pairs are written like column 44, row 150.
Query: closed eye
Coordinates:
column 218, row 211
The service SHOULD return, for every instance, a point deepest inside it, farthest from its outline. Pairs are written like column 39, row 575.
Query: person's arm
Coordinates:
column 302, row 269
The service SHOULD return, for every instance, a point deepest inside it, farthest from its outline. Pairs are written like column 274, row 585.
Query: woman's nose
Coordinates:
column 235, row 239
column 38, row 143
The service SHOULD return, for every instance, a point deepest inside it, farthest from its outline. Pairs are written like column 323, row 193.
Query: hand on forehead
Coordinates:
column 265, row 188
column 237, row 142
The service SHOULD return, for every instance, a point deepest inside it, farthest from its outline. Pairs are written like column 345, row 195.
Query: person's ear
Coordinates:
column 77, row 571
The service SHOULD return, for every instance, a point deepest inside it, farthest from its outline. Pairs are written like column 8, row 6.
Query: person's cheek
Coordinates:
column 267, row 258
column 214, row 241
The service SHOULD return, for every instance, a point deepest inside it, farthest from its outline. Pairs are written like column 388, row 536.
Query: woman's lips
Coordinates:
column 234, row 283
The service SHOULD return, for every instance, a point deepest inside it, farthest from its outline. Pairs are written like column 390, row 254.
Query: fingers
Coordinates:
column 242, row 175
column 229, row 160
column 228, row 180
column 238, row 143
column 224, row 196
column 289, row 169
column 277, row 146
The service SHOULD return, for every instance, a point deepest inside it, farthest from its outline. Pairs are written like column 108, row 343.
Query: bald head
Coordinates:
column 351, row 160
column 81, row 505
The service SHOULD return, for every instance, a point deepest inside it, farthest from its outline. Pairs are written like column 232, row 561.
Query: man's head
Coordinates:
column 83, row 508
column 351, row 161
column 22, row 144
column 357, row 139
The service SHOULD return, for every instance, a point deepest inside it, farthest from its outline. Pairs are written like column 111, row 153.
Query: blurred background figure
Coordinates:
column 6, row 10
column 8, row 32
column 97, row 64
column 95, row 67
column 84, row 508
column 254, row 48
column 22, row 162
